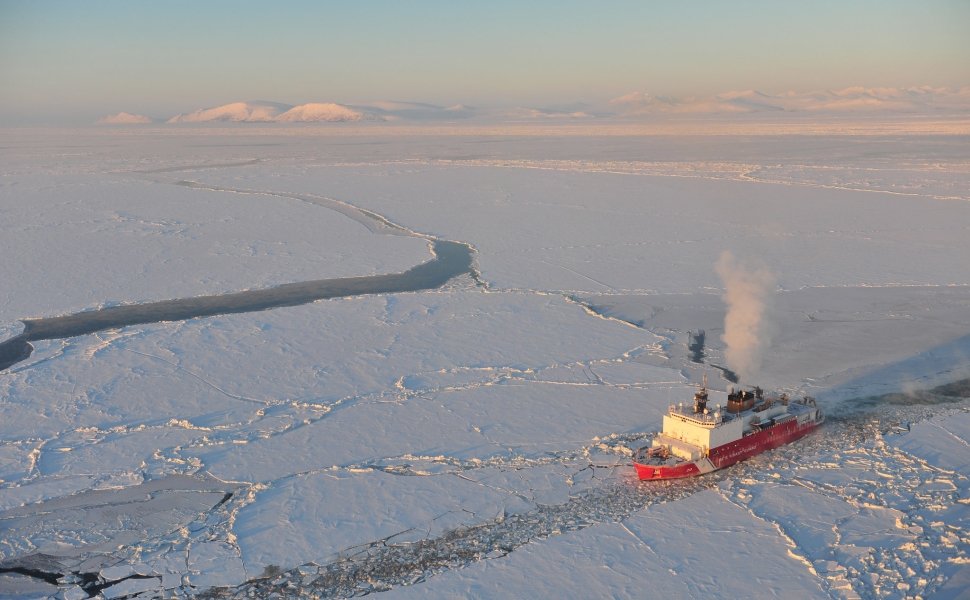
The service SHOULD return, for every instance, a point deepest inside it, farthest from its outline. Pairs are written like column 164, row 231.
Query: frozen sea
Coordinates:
column 472, row 437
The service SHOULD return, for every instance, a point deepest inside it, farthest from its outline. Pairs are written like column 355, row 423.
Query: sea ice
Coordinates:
column 475, row 439
column 702, row 546
column 122, row 238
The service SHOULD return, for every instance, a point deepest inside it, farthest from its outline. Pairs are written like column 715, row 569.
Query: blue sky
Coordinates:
column 84, row 59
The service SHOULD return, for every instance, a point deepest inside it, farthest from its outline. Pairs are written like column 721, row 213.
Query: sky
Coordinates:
column 80, row 60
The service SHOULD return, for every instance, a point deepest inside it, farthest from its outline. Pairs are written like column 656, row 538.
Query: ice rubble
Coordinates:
column 647, row 553
column 835, row 524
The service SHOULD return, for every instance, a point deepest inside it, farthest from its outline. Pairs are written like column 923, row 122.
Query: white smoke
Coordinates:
column 748, row 327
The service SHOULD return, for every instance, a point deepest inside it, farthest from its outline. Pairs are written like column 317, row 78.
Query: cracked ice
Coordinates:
column 475, row 439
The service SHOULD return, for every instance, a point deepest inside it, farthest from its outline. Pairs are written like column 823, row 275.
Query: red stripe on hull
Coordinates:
column 756, row 443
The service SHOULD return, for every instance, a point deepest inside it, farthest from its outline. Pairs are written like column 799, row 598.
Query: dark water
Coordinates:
column 451, row 259
column 695, row 345
column 950, row 393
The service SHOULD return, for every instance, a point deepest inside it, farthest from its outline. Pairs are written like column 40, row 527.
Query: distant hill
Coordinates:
column 330, row 112
column 852, row 99
column 124, row 118
column 236, row 112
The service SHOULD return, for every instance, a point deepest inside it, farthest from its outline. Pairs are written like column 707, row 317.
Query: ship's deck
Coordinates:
column 714, row 416
column 719, row 414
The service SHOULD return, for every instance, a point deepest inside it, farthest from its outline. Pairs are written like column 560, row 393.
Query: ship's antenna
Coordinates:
column 704, row 381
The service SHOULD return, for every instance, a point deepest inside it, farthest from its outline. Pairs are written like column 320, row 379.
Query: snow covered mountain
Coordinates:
column 275, row 112
column 239, row 112
column 330, row 112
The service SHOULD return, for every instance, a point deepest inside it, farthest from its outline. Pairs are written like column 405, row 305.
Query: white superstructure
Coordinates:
column 691, row 431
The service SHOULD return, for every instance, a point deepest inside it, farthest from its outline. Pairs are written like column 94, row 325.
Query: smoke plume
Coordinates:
column 749, row 294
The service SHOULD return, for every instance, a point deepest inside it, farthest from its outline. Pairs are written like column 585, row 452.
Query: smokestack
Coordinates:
column 749, row 294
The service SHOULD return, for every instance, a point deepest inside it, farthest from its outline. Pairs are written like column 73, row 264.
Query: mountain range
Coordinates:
column 849, row 100
column 852, row 100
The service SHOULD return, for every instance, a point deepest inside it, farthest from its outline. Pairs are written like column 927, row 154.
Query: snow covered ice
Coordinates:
column 474, row 439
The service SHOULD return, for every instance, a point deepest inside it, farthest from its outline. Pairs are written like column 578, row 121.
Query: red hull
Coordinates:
column 730, row 453
column 756, row 443
column 677, row 471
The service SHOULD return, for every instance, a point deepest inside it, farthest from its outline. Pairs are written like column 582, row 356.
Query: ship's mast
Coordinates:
column 700, row 397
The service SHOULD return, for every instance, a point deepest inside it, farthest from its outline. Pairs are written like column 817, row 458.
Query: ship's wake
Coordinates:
column 842, row 462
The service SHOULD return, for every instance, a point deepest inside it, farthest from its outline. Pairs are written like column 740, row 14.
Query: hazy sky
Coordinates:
column 84, row 59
